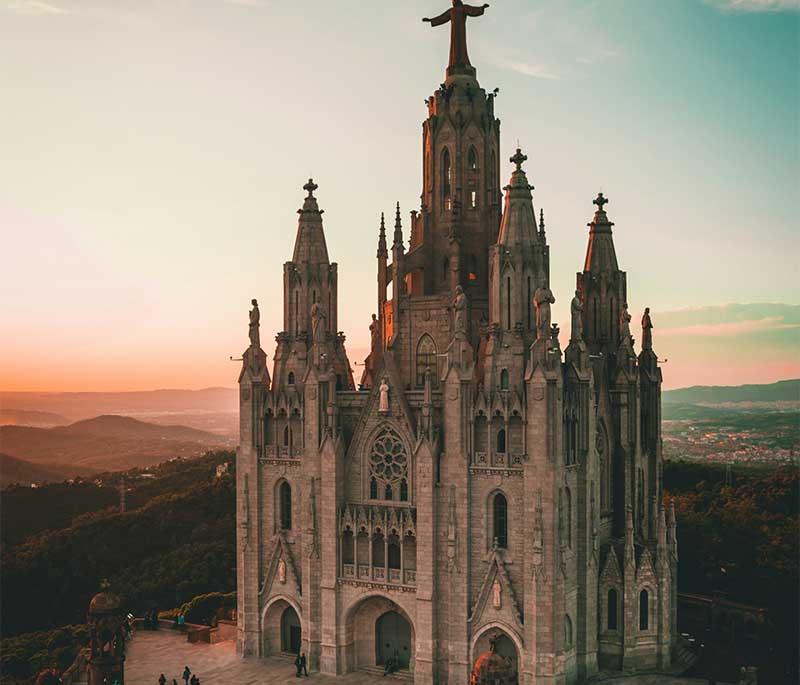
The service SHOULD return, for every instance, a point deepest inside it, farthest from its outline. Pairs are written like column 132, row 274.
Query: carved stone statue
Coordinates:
column 647, row 330
column 460, row 313
column 457, row 16
column 375, row 332
column 383, row 401
column 317, row 323
column 497, row 591
column 576, row 309
column 624, row 325
column 281, row 571
column 255, row 318
column 542, row 299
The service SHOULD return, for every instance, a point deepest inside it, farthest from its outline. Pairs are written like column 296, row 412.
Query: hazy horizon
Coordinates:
column 154, row 154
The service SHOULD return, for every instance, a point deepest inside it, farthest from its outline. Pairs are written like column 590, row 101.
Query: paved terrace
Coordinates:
column 151, row 653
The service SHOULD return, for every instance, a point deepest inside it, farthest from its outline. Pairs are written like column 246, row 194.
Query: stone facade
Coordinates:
column 479, row 484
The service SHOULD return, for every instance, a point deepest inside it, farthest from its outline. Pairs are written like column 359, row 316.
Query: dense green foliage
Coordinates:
column 740, row 539
column 178, row 545
column 204, row 608
column 24, row 656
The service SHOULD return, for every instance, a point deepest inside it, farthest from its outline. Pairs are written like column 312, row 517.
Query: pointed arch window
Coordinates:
column 501, row 441
column 500, row 520
column 611, row 620
column 290, row 379
column 504, row 379
column 388, row 466
column 472, row 159
column 286, row 506
column 447, row 177
column 426, row 359
column 287, row 436
column 644, row 610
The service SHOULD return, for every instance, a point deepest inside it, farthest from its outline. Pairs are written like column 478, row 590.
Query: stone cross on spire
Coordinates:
column 518, row 159
column 600, row 201
column 310, row 187
column 457, row 16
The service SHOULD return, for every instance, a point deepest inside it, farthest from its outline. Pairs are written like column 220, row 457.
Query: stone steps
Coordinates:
column 399, row 676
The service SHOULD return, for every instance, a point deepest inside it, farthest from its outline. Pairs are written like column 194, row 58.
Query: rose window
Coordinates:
column 388, row 467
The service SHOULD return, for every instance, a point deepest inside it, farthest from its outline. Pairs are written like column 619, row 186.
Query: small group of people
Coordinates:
column 187, row 676
column 178, row 622
column 151, row 620
column 301, row 664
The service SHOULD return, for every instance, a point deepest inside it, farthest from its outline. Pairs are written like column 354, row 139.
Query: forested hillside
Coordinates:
column 179, row 543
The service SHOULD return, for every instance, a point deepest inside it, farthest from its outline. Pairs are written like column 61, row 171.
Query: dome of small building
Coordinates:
column 105, row 602
column 493, row 669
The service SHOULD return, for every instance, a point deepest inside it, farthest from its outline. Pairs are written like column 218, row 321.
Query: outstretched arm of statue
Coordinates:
column 472, row 11
column 443, row 18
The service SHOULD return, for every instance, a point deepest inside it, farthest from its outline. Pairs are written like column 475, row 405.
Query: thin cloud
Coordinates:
column 755, row 5
column 726, row 330
column 729, row 320
column 527, row 69
column 33, row 7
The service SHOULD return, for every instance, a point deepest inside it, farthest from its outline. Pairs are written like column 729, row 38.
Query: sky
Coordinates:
column 153, row 152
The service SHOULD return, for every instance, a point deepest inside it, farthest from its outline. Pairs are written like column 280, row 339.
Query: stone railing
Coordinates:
column 378, row 574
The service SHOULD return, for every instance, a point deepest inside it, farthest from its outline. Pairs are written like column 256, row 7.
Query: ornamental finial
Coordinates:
column 600, row 201
column 518, row 159
column 310, row 187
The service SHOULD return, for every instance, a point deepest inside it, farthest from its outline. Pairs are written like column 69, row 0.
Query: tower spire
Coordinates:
column 309, row 245
column 382, row 238
column 398, row 229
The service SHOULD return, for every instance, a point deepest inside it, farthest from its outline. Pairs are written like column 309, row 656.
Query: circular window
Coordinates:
column 388, row 459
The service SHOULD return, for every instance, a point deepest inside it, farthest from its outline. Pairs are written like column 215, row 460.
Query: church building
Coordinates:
column 491, row 485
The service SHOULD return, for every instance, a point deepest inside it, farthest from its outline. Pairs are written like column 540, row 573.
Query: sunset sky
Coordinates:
column 152, row 154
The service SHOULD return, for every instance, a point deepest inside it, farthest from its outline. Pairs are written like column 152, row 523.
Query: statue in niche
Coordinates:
column 497, row 590
column 576, row 309
column 542, row 299
column 624, row 325
column 460, row 313
column 647, row 330
column 255, row 318
column 281, row 571
column 317, row 323
column 383, row 402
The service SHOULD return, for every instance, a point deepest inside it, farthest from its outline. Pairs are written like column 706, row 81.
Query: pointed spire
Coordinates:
column 309, row 245
column 600, row 253
column 398, row 229
column 518, row 225
column 630, row 549
column 382, row 238
column 661, row 532
column 541, row 221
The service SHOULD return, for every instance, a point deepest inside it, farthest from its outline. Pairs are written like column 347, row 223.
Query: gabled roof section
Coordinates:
column 496, row 570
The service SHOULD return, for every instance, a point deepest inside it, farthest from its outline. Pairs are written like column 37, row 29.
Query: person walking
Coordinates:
column 194, row 680
column 162, row 680
column 186, row 674
column 303, row 662
column 298, row 664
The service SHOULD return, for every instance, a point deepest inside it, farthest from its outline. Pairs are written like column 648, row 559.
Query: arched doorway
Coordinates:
column 503, row 645
column 392, row 639
column 291, row 633
column 375, row 627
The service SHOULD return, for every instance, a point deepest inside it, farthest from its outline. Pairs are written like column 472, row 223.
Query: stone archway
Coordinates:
column 506, row 645
column 281, row 628
column 376, row 627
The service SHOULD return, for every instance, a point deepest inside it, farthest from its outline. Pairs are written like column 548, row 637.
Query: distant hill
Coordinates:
column 83, row 405
column 107, row 443
column 782, row 391
column 13, row 470
column 28, row 417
